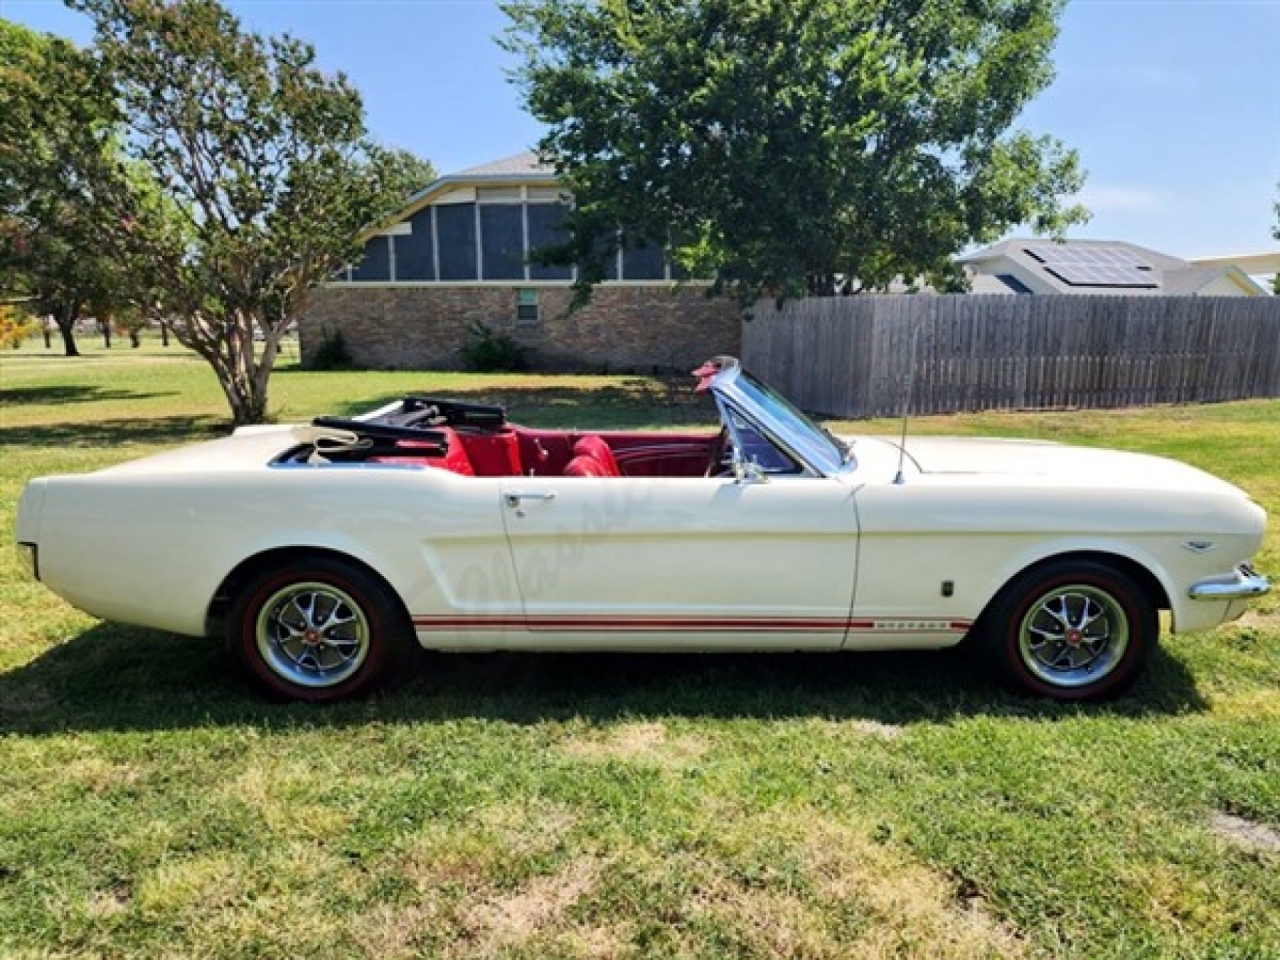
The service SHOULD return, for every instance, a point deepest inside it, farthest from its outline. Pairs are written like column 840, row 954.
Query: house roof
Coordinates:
column 1095, row 267
column 522, row 165
column 522, row 169
column 1016, row 247
column 1251, row 263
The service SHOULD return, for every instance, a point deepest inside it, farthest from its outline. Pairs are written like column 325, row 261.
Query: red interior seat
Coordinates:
column 492, row 454
column 586, row 467
column 597, row 449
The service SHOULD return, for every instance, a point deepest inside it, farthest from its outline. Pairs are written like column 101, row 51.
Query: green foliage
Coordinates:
column 63, row 182
column 782, row 145
column 1275, row 281
column 252, row 177
column 489, row 351
column 130, row 322
column 333, row 353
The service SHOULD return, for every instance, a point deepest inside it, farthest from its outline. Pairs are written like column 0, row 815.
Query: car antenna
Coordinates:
column 899, row 478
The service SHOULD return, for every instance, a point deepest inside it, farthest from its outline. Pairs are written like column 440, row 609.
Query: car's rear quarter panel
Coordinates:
column 153, row 550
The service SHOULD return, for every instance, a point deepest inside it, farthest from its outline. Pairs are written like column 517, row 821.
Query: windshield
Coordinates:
column 812, row 441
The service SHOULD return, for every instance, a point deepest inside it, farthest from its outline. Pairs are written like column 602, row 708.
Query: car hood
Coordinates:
column 1080, row 466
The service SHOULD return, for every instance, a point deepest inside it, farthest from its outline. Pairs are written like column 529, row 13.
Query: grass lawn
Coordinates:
column 600, row 806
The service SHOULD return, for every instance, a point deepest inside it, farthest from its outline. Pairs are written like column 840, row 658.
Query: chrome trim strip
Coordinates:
column 1245, row 583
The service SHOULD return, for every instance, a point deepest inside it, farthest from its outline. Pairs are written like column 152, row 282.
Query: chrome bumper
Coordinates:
column 1243, row 584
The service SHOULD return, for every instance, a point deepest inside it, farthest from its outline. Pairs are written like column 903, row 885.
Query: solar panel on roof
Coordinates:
column 1097, row 256
column 1094, row 266
column 1089, row 276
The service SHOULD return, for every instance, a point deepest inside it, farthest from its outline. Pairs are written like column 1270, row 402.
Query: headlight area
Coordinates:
column 29, row 559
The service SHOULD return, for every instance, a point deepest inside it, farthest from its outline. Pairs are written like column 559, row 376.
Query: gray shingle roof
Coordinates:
column 1190, row 280
column 520, row 165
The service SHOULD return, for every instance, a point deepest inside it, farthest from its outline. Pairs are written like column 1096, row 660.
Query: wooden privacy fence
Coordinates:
column 854, row 356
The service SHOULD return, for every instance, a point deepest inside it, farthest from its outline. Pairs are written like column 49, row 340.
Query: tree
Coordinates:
column 789, row 145
column 131, row 323
column 1275, row 281
column 60, row 162
column 15, row 326
column 258, row 178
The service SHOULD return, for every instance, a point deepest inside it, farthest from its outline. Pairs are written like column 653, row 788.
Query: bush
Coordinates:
column 15, row 326
column 332, row 354
column 492, row 352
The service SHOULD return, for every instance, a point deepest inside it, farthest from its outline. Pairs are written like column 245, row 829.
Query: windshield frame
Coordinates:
column 788, row 425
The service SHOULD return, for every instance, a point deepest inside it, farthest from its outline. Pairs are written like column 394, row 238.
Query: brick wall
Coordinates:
column 624, row 328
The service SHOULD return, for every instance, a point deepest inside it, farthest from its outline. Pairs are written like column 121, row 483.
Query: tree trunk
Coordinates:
column 46, row 333
column 105, row 327
column 242, row 381
column 248, row 402
column 66, row 326
column 164, row 333
column 227, row 345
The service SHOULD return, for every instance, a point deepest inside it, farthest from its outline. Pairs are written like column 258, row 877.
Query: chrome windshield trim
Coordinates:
column 729, row 410
column 1242, row 584
column 800, row 436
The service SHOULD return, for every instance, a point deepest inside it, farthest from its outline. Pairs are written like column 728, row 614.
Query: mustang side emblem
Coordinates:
column 1200, row 546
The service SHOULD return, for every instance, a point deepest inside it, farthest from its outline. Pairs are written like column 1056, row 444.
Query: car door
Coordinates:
column 704, row 563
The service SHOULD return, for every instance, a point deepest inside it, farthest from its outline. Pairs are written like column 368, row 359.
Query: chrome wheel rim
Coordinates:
column 1073, row 636
column 312, row 634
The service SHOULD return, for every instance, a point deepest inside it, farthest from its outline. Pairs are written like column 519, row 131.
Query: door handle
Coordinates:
column 515, row 497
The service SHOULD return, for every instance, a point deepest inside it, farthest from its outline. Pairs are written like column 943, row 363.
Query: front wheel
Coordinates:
column 320, row 630
column 1071, row 630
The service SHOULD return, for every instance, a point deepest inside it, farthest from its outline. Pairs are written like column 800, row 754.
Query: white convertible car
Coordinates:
column 328, row 552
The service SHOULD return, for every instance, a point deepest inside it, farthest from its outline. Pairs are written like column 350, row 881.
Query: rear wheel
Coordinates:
column 1071, row 630
column 319, row 631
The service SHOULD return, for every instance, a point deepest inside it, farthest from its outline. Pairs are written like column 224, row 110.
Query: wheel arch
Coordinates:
column 251, row 566
column 1142, row 575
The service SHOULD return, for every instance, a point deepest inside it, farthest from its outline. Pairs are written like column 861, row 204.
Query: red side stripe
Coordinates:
column 591, row 622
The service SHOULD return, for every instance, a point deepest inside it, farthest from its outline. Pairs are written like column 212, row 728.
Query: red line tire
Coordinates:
column 319, row 631
column 1071, row 630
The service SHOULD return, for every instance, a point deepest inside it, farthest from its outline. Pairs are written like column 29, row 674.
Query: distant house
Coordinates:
column 459, row 254
column 1100, row 267
column 1263, row 265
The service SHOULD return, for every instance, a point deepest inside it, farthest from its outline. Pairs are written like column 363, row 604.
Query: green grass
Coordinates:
column 613, row 806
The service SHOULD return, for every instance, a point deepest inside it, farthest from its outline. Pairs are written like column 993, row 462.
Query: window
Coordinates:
column 502, row 241
column 415, row 253
column 375, row 265
column 489, row 234
column 456, row 230
column 526, row 308
column 643, row 262
column 761, row 451
column 1013, row 283
column 544, row 231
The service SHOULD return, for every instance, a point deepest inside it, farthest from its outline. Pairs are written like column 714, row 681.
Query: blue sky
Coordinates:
column 1173, row 104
